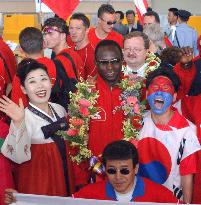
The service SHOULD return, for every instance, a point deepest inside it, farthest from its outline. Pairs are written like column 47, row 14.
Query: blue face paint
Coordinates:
column 166, row 97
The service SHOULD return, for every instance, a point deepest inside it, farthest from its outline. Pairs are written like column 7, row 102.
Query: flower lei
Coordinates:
column 82, row 108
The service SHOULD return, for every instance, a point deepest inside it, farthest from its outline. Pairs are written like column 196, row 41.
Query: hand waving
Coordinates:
column 14, row 111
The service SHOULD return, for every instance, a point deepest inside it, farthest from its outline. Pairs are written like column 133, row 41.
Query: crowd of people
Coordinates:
column 144, row 133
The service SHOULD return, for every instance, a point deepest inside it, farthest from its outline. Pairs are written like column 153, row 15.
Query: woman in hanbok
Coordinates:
column 42, row 156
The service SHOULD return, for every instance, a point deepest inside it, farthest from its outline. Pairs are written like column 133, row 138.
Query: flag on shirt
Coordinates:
column 63, row 8
column 141, row 8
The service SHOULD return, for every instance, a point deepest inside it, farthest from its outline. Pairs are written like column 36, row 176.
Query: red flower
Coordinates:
column 77, row 121
column 136, row 122
column 71, row 132
column 84, row 103
column 84, row 111
column 152, row 63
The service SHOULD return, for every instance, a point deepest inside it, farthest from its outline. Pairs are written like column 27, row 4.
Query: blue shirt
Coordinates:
column 187, row 36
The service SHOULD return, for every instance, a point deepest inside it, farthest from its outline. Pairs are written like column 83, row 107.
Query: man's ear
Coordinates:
column 136, row 168
column 23, row 89
column 87, row 31
column 174, row 97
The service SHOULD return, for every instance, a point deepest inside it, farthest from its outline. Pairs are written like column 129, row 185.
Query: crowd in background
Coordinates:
column 35, row 95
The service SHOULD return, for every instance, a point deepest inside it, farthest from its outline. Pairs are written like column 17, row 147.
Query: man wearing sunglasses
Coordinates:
column 55, row 33
column 120, row 159
column 104, row 29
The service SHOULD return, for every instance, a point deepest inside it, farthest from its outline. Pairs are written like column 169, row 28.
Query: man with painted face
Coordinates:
column 168, row 145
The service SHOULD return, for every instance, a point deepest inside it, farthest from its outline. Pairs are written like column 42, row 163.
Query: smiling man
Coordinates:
column 136, row 45
column 168, row 146
column 104, row 29
column 106, row 126
column 120, row 159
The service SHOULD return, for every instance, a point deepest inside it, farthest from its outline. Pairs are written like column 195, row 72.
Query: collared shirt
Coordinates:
column 140, row 72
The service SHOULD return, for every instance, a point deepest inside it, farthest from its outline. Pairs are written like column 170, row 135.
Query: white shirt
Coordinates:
column 140, row 72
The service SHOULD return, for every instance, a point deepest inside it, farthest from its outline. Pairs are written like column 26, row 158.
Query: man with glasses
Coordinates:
column 120, row 159
column 136, row 45
column 104, row 29
column 54, row 33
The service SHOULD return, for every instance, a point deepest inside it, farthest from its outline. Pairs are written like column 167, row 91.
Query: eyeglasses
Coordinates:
column 47, row 30
column 114, row 61
column 137, row 50
column 123, row 171
column 109, row 23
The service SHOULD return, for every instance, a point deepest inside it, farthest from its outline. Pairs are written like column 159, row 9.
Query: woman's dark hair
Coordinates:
column 166, row 72
column 120, row 150
column 26, row 66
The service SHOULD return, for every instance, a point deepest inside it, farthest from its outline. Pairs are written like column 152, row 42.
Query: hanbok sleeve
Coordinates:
column 17, row 144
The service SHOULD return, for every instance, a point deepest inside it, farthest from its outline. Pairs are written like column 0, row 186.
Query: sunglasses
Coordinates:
column 123, row 171
column 47, row 30
column 114, row 61
column 109, row 23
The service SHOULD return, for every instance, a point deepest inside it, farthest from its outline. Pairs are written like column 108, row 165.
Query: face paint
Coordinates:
column 160, row 101
column 161, row 83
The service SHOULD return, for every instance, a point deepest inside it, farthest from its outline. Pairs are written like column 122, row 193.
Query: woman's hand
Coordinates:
column 14, row 111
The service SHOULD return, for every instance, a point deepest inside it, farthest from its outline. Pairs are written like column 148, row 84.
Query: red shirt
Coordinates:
column 186, row 77
column 16, row 90
column 87, row 56
column 144, row 191
column 9, row 58
column 67, row 64
column 94, row 40
column 106, row 126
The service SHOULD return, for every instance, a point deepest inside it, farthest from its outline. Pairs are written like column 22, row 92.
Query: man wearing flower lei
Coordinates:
column 168, row 145
column 136, row 56
column 104, row 109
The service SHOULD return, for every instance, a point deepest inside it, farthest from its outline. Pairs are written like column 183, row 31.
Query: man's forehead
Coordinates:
column 108, row 51
column 119, row 162
column 162, row 79
column 137, row 39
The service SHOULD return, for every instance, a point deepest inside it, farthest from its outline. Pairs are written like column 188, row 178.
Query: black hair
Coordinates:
column 82, row 17
column 167, row 72
column 31, row 40
column 26, row 66
column 174, row 11
column 130, row 12
column 120, row 150
column 149, row 9
column 153, row 13
column 57, row 22
column 120, row 13
column 105, row 8
column 108, row 43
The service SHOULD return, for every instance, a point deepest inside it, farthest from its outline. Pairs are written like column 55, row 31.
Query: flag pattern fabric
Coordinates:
column 141, row 8
column 63, row 8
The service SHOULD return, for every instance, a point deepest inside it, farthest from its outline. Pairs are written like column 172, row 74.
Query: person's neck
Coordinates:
column 173, row 23
column 35, row 55
column 135, row 66
column 100, row 33
column 57, row 49
column 81, row 44
column 162, row 119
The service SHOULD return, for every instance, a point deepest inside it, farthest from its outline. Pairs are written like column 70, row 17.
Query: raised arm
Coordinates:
column 17, row 143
